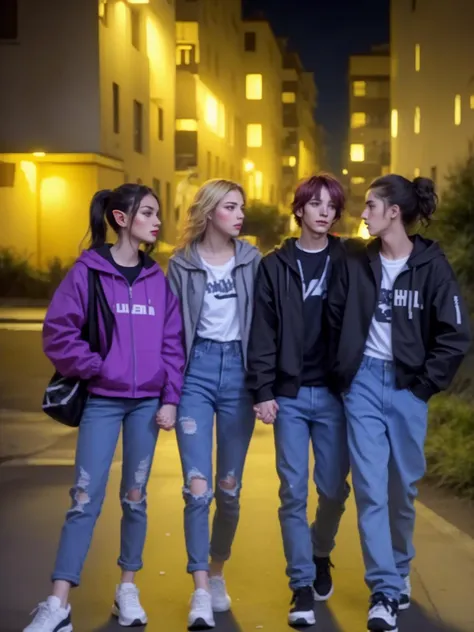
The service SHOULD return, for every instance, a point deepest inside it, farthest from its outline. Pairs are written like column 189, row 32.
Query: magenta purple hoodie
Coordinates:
column 146, row 358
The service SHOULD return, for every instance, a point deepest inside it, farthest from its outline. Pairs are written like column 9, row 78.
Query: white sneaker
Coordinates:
column 382, row 614
column 201, row 616
column 220, row 599
column 51, row 617
column 405, row 595
column 127, row 606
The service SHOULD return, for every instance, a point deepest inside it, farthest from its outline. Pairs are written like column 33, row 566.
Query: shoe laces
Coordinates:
column 129, row 597
column 42, row 612
column 379, row 599
column 302, row 596
column 200, row 600
column 323, row 566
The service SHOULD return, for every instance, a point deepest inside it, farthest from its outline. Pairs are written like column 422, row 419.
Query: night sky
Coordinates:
column 325, row 33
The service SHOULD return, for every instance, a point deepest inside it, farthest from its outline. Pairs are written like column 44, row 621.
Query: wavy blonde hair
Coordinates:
column 205, row 201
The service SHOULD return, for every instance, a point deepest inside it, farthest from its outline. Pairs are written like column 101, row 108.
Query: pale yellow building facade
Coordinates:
column 94, row 110
column 432, row 119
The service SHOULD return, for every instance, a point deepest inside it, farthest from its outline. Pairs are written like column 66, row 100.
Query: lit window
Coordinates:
column 289, row 161
column 254, row 135
column 394, row 123
column 417, row 121
column 186, row 125
column 214, row 111
column 471, row 101
column 417, row 172
column 288, row 97
column 253, row 87
column 258, row 185
column 457, row 109
column 357, row 153
column 357, row 180
column 417, row 57
column 358, row 119
column 359, row 88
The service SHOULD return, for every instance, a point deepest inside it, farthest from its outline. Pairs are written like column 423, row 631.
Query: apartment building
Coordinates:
column 301, row 142
column 262, row 112
column 90, row 104
column 369, row 123
column 432, row 86
column 210, row 80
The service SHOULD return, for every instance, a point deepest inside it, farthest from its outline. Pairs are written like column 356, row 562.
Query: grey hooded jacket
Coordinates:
column 188, row 278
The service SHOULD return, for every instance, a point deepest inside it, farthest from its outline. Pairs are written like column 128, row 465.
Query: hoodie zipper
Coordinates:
column 134, row 361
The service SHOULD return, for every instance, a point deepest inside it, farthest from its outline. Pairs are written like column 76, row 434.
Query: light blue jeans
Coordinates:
column 214, row 385
column 315, row 416
column 98, row 435
column 386, row 430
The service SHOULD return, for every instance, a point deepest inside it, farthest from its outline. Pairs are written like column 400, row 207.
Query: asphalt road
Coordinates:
column 36, row 457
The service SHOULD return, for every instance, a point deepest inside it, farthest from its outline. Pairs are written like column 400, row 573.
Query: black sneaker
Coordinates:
column 382, row 614
column 302, row 612
column 323, row 586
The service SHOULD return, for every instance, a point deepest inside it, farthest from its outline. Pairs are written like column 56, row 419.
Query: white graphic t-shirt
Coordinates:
column 379, row 340
column 219, row 316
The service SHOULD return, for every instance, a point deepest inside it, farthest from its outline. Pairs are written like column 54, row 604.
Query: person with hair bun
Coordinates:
column 134, row 385
column 399, row 331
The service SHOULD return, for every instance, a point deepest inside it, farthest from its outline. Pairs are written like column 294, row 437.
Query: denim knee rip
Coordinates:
column 135, row 498
column 79, row 495
column 205, row 495
column 229, row 485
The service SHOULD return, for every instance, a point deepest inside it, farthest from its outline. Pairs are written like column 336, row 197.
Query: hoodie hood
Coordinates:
column 245, row 253
column 100, row 259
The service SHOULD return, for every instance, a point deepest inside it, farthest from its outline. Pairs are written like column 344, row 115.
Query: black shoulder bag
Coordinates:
column 65, row 397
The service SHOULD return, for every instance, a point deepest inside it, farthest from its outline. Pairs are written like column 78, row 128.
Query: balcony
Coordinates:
column 186, row 58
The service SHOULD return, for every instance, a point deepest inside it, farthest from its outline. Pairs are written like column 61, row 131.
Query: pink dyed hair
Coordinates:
column 311, row 188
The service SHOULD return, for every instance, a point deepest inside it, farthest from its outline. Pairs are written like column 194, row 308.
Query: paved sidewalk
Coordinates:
column 36, row 495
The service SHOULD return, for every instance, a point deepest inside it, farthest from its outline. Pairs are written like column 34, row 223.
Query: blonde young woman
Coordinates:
column 212, row 273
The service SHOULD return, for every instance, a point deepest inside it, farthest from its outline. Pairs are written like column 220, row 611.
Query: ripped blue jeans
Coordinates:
column 97, row 439
column 214, row 386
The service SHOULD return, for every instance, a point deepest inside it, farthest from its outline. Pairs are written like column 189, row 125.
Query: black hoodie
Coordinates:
column 277, row 341
column 430, row 325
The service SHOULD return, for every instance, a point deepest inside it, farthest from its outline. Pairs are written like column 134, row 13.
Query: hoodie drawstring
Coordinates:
column 287, row 282
column 411, row 292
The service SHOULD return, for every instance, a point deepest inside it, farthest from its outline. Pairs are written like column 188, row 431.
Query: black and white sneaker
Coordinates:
column 50, row 616
column 127, row 607
column 405, row 595
column 200, row 615
column 382, row 614
column 302, row 612
column 323, row 586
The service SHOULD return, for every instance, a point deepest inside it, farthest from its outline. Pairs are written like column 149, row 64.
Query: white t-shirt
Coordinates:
column 379, row 340
column 219, row 315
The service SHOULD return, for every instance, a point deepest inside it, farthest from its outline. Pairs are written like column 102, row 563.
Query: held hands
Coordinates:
column 267, row 411
column 166, row 417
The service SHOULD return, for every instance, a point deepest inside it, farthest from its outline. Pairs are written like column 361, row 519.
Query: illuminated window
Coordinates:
column 253, row 87
column 186, row 125
column 254, row 135
column 288, row 97
column 394, row 123
column 289, row 161
column 457, row 109
column 359, row 88
column 258, row 185
column 417, row 121
column 358, row 119
column 417, row 57
column 214, row 111
column 357, row 152
column 184, row 54
column 471, row 101
column 417, row 172
column 357, row 180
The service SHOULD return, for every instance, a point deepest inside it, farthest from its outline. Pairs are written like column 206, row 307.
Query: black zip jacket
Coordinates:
column 275, row 351
column 430, row 324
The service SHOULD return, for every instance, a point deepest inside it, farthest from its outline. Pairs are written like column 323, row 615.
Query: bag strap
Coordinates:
column 97, row 301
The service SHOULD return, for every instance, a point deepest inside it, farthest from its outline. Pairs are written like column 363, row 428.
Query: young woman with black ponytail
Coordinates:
column 398, row 333
column 136, row 385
